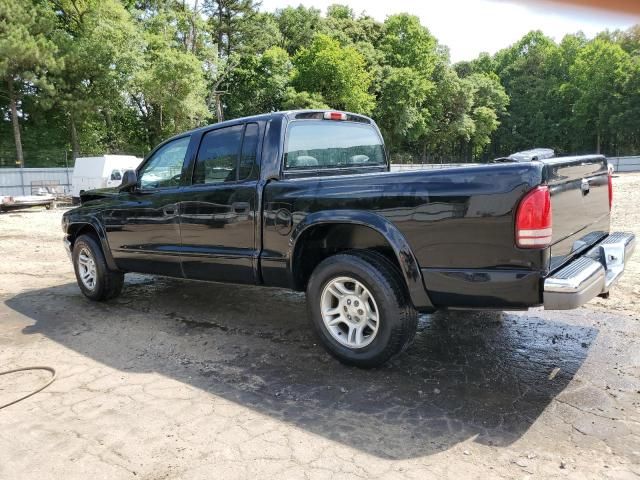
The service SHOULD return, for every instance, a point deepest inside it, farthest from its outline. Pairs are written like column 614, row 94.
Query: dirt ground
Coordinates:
column 192, row 380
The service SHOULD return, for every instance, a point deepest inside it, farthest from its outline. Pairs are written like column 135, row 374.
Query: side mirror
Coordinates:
column 129, row 180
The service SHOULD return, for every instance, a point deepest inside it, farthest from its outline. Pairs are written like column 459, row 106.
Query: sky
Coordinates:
column 469, row 27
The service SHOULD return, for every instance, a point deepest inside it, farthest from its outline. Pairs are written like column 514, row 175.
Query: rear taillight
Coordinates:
column 610, row 191
column 533, row 219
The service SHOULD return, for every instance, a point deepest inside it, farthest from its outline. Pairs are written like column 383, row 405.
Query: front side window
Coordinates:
column 116, row 175
column 164, row 168
column 314, row 144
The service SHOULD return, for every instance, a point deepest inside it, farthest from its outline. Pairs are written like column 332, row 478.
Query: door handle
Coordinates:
column 240, row 207
column 170, row 210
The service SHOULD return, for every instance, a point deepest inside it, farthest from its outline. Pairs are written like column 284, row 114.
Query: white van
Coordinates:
column 106, row 171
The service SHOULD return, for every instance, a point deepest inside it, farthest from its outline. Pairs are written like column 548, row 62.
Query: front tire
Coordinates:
column 95, row 279
column 360, row 308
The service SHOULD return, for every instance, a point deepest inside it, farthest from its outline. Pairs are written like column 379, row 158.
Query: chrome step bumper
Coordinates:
column 592, row 274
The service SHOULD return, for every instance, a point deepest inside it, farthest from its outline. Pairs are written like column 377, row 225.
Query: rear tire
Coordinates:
column 360, row 308
column 96, row 281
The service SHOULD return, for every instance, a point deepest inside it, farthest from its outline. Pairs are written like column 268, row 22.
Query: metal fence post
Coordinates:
column 22, row 178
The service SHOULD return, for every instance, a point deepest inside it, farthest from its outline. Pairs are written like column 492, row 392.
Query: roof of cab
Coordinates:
column 289, row 114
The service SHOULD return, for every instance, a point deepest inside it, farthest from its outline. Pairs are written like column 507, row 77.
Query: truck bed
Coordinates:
column 459, row 222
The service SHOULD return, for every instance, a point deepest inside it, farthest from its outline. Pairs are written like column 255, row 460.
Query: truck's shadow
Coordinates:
column 482, row 376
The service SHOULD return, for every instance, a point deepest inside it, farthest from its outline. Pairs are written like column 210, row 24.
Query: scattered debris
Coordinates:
column 521, row 462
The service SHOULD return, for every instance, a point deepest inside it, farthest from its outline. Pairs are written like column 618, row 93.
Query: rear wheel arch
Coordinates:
column 315, row 241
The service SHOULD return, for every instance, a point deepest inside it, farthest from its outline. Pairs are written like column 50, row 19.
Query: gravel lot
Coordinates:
column 192, row 380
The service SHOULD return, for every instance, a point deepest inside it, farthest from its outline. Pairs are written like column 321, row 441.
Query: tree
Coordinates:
column 490, row 102
column 402, row 109
column 234, row 24
column 298, row 27
column 341, row 23
column 101, row 49
column 337, row 73
column 630, row 40
column 599, row 74
column 229, row 19
column 26, row 55
column 169, row 90
column 121, row 75
column 450, row 121
column 406, row 43
column 259, row 83
column 528, row 73
column 294, row 100
column 625, row 122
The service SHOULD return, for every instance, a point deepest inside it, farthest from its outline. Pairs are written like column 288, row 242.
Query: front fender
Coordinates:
column 76, row 222
column 406, row 259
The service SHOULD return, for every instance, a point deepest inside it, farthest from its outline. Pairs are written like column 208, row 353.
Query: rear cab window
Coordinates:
column 326, row 144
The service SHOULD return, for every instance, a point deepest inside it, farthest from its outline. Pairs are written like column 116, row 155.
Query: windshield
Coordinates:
column 316, row 144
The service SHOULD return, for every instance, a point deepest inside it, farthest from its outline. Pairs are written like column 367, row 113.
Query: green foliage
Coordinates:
column 490, row 101
column 402, row 108
column 599, row 75
column 96, row 76
column 26, row 56
column 98, row 42
column 406, row 43
column 337, row 73
column 26, row 53
column 259, row 83
column 297, row 26
column 169, row 91
column 294, row 100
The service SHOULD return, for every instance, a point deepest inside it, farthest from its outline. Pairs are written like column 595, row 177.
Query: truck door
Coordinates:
column 143, row 225
column 218, row 210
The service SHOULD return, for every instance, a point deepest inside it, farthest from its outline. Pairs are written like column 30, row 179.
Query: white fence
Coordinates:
column 404, row 167
column 620, row 164
column 625, row 164
column 27, row 181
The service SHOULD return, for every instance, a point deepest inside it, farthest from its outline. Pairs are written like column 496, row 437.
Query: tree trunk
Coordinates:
column 75, row 146
column 219, row 110
column 599, row 139
column 111, row 138
column 16, row 122
column 220, row 32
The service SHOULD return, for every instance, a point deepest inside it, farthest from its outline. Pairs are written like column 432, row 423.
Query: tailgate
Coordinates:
column 579, row 189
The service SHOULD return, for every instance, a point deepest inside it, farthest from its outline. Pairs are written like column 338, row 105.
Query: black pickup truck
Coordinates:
column 305, row 200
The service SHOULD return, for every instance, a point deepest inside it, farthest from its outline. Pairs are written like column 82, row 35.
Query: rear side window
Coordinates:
column 218, row 156
column 224, row 155
column 321, row 144
column 248, row 166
